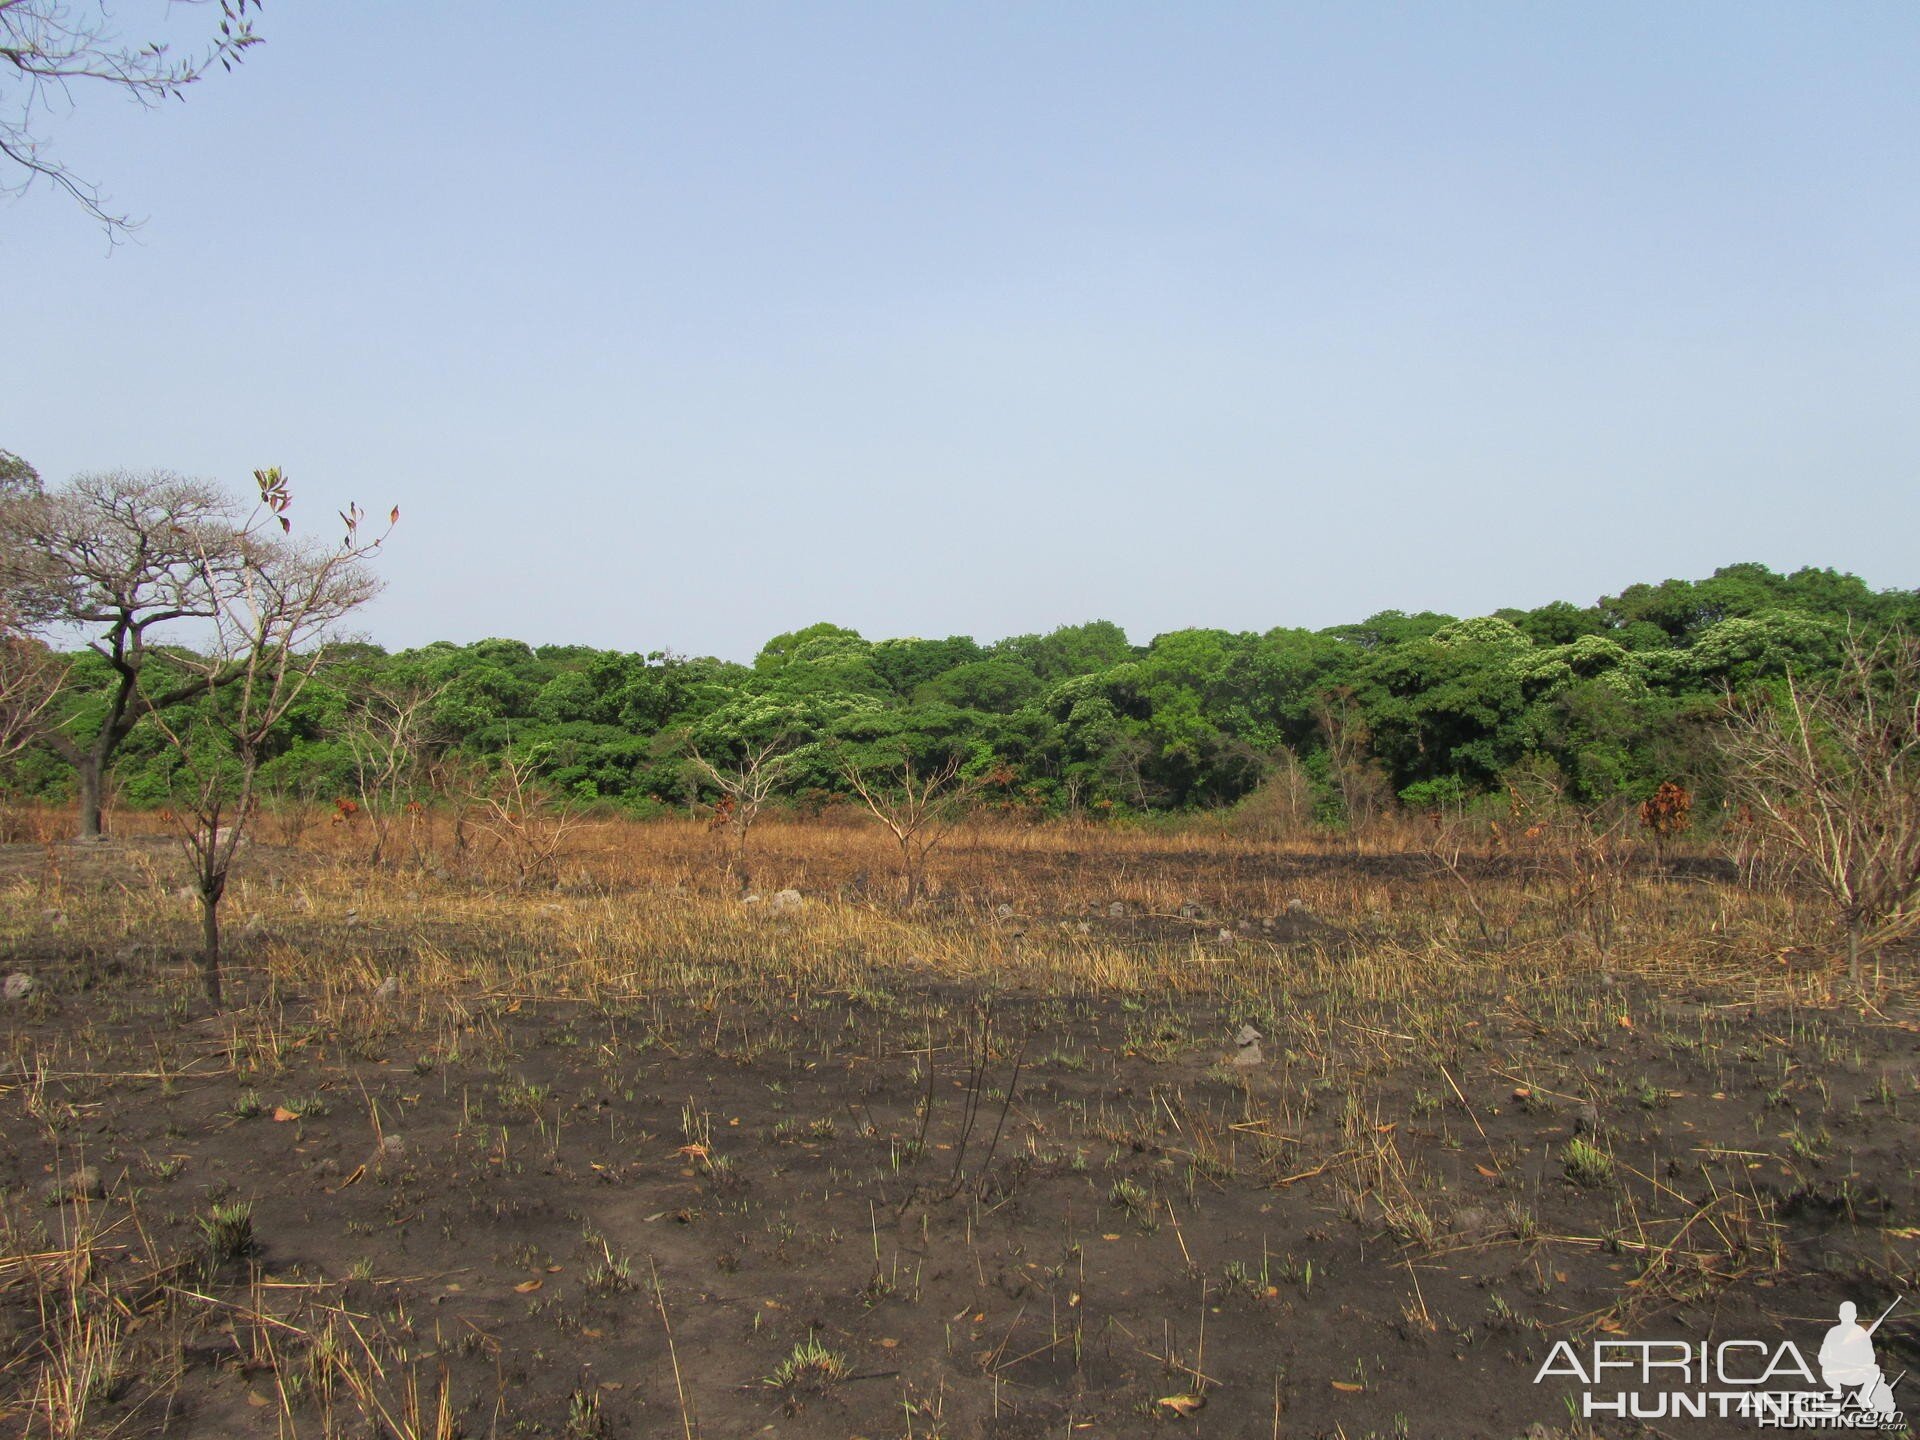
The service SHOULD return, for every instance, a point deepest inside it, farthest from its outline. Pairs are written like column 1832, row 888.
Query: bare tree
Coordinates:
column 753, row 775
column 523, row 817
column 1830, row 772
column 917, row 803
column 49, row 49
column 31, row 677
column 1360, row 778
column 269, row 633
column 132, row 560
column 388, row 732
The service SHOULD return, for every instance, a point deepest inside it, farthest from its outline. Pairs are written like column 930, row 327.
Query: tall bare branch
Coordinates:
column 1830, row 771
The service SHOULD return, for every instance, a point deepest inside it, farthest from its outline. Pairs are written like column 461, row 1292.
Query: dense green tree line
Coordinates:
column 1603, row 701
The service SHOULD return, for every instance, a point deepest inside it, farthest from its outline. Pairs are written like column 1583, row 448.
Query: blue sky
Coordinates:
column 680, row 326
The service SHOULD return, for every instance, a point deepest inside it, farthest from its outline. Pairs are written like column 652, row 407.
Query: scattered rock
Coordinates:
column 1192, row 910
column 1225, row 937
column 81, row 1184
column 19, row 985
column 1296, row 907
column 1586, row 1119
column 786, row 902
column 1469, row 1219
column 1003, row 912
column 1116, row 911
column 390, row 1150
column 749, row 899
column 1248, row 1043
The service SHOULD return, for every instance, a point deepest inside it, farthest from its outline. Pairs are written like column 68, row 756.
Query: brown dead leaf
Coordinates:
column 281, row 1114
column 1182, row 1404
column 527, row 1287
column 1347, row 1387
column 257, row 1400
column 1488, row 1171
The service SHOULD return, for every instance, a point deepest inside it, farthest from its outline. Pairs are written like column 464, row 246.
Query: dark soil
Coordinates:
column 1006, row 1215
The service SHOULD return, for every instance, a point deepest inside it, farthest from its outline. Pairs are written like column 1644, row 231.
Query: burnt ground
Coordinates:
column 902, row 1207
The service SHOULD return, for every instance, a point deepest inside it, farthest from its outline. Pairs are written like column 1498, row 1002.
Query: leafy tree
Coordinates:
column 18, row 479
column 1069, row 651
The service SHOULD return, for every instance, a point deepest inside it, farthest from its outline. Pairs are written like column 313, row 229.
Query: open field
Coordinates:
column 625, row 1156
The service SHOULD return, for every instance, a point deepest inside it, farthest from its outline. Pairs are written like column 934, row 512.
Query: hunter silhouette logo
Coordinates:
column 1768, row 1383
column 1848, row 1366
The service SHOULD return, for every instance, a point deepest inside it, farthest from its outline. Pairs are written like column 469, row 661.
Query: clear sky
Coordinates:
column 677, row 326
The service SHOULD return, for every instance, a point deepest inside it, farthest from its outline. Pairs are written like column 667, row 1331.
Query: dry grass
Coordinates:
column 1361, row 953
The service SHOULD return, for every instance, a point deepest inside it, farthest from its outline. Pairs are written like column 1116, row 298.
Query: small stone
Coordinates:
column 81, row 1184
column 1116, row 911
column 19, row 985
column 1192, row 910
column 1249, row 1055
column 1248, row 1036
column 391, row 1148
column 388, row 991
column 1226, row 937
column 1003, row 912
column 1586, row 1120
column 749, row 899
column 1470, row 1218
column 786, row 902
column 1296, row 907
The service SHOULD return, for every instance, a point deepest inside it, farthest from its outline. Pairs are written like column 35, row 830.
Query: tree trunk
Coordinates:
column 741, row 870
column 92, row 772
column 210, row 947
column 911, row 861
